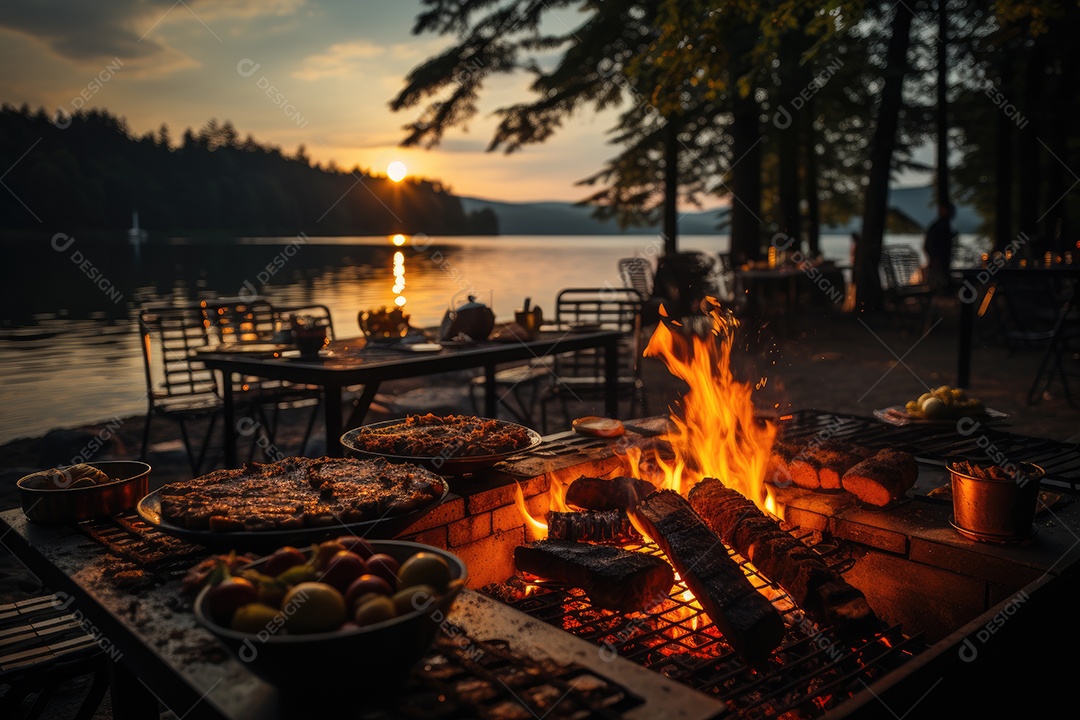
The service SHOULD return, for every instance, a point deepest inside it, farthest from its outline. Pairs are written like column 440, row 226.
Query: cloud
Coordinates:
column 86, row 32
column 339, row 59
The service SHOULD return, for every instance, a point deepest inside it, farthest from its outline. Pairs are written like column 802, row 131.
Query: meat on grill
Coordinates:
column 816, row 466
column 604, row 526
column 621, row 493
column 883, row 478
column 613, row 578
column 749, row 622
column 801, row 571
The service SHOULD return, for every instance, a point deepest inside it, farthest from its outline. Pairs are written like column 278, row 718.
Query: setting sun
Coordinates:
column 396, row 171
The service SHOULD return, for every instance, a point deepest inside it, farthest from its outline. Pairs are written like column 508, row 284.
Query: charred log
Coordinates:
column 611, row 526
column 621, row 493
column 817, row 589
column 613, row 578
column 749, row 622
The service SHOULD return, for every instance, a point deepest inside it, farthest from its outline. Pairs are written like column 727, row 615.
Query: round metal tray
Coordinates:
column 384, row 528
column 438, row 464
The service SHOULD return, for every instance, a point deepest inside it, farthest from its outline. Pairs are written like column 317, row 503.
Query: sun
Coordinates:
column 396, row 171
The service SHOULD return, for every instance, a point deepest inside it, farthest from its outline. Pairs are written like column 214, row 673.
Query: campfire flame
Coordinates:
column 717, row 433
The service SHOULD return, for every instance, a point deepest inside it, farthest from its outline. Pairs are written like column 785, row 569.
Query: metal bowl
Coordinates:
column 378, row 655
column 73, row 505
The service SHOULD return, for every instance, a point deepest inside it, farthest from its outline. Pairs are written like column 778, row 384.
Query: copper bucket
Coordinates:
column 996, row 509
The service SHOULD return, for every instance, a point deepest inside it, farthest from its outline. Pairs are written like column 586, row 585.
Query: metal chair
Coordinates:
column 579, row 376
column 637, row 273
column 178, row 386
column 42, row 646
column 234, row 321
column 907, row 296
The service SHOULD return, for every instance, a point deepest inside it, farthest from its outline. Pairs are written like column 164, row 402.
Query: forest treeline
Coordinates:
column 88, row 173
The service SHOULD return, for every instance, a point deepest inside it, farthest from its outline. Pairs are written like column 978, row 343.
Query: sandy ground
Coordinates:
column 818, row 359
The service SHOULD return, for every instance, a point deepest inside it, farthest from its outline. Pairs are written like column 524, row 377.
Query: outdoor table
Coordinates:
column 973, row 285
column 351, row 362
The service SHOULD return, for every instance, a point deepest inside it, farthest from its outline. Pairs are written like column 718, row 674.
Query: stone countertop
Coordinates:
column 919, row 528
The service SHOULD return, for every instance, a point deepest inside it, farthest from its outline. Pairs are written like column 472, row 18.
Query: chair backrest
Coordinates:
column 901, row 267
column 637, row 273
column 611, row 309
column 964, row 257
column 233, row 320
column 170, row 336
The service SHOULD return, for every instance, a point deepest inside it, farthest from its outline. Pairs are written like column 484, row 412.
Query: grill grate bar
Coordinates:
column 939, row 443
column 811, row 664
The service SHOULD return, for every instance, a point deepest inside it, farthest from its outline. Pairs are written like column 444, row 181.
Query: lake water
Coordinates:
column 69, row 344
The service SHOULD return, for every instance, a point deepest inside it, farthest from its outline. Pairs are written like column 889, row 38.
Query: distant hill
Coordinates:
column 563, row 218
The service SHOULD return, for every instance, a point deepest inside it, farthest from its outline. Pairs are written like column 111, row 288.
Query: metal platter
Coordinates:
column 439, row 464
column 384, row 528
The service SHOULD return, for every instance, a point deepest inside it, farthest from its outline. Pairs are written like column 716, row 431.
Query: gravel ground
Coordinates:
column 819, row 359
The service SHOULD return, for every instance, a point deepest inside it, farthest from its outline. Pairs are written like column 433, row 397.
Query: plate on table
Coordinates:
column 255, row 348
column 382, row 526
column 897, row 415
column 437, row 442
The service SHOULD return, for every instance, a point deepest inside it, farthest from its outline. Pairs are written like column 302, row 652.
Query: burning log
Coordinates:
column 747, row 619
column 613, row 578
column 621, row 493
column 822, row 592
column 609, row 526
column 883, row 478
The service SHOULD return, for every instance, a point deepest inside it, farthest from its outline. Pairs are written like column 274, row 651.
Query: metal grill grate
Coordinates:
column 812, row 671
column 129, row 537
column 463, row 677
column 939, row 443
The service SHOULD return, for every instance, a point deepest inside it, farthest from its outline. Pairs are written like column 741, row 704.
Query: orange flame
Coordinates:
column 536, row 529
column 717, row 434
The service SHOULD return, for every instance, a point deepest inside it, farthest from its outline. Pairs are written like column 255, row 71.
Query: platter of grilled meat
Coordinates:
column 295, row 500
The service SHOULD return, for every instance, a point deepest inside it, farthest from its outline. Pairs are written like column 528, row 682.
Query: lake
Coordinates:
column 69, row 344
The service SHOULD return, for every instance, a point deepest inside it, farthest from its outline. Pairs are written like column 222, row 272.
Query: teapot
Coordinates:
column 471, row 318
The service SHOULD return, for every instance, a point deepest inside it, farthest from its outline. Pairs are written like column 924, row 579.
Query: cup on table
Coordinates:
column 310, row 337
column 530, row 320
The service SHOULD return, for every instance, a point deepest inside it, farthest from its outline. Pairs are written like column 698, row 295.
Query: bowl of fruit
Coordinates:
column 337, row 609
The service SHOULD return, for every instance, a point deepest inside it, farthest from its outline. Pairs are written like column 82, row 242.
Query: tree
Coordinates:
column 868, row 293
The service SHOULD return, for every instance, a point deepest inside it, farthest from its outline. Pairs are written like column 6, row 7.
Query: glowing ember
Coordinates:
column 717, row 433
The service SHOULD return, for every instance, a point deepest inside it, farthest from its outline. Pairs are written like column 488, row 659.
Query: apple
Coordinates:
column 321, row 553
column 223, row 599
column 358, row 545
column 364, row 585
column 385, row 567
column 375, row 610
column 342, row 569
column 313, row 607
column 282, row 559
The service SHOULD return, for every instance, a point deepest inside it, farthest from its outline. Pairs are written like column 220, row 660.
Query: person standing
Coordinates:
column 938, row 246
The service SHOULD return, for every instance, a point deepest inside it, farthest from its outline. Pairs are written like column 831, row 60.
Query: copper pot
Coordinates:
column 75, row 504
column 996, row 508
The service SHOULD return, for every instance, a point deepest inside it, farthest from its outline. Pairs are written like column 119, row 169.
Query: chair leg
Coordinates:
column 310, row 426
column 187, row 447
column 146, row 436
column 197, row 468
column 95, row 694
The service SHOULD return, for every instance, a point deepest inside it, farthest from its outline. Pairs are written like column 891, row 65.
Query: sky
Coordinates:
column 315, row 72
